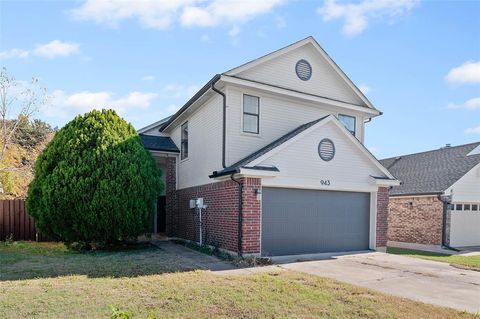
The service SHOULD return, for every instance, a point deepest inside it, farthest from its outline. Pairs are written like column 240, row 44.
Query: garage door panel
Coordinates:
column 296, row 221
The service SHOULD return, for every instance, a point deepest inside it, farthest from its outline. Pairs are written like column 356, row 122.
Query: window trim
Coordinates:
column 182, row 158
column 257, row 133
column 354, row 133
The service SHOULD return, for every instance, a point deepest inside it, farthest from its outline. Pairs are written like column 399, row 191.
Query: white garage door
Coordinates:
column 465, row 228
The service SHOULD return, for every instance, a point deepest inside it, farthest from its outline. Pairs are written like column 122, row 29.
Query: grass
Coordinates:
column 162, row 285
column 471, row 262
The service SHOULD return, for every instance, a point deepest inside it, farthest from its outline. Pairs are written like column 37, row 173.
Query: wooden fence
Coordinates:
column 15, row 223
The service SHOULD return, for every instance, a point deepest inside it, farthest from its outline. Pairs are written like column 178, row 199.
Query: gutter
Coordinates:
column 240, row 213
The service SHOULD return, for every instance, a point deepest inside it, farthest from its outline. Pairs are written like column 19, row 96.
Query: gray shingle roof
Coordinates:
column 246, row 160
column 158, row 143
column 433, row 171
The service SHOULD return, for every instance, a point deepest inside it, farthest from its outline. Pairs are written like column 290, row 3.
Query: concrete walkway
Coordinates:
column 422, row 280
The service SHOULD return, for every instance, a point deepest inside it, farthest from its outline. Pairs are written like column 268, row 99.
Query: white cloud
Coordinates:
column 205, row 38
column 161, row 14
column 471, row 104
column 473, row 130
column 177, row 91
column 158, row 14
column 56, row 48
column 234, row 31
column 53, row 49
column 148, row 78
column 280, row 22
column 358, row 15
column 364, row 88
column 14, row 53
column 468, row 72
column 63, row 105
column 219, row 11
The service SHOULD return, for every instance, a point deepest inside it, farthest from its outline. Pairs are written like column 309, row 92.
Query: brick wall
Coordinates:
column 416, row 220
column 382, row 217
column 220, row 218
column 170, row 193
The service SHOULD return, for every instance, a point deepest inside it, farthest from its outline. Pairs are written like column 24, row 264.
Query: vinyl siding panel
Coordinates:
column 301, row 167
column 205, row 145
column 467, row 188
column 278, row 116
column 324, row 81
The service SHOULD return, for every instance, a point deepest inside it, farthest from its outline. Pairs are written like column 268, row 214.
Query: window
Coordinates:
column 348, row 121
column 474, row 207
column 184, row 141
column 251, row 114
column 466, row 207
column 459, row 207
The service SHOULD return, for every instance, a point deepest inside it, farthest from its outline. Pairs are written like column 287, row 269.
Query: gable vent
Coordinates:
column 326, row 149
column 303, row 70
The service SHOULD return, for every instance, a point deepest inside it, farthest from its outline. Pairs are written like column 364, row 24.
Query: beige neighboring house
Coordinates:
column 438, row 202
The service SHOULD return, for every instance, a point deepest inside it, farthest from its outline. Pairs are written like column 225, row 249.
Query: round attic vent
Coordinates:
column 304, row 70
column 326, row 149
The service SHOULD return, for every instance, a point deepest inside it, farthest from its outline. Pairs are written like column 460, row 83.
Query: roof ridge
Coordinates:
column 430, row 151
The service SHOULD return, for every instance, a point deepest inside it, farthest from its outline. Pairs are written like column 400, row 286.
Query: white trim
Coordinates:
column 333, row 119
column 151, row 126
column 168, row 154
column 308, row 40
column 386, row 182
column 295, row 94
column 245, row 172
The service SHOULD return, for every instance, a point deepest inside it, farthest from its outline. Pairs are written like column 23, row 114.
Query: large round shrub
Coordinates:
column 94, row 182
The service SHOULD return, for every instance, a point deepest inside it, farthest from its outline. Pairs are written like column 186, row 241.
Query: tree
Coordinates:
column 18, row 102
column 94, row 182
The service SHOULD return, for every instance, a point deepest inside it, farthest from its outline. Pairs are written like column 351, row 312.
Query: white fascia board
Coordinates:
column 150, row 126
column 387, row 182
column 349, row 135
column 294, row 46
column 246, row 172
column 298, row 95
column 164, row 153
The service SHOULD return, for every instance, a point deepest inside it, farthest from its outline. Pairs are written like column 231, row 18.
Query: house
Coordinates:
column 438, row 202
column 268, row 159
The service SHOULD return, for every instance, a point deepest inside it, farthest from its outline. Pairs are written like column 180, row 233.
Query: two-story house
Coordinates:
column 275, row 149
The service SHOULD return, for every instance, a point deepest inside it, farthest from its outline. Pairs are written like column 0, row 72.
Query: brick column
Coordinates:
column 382, row 217
column 170, row 193
column 251, row 216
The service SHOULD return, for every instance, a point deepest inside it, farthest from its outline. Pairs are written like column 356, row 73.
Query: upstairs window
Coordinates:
column 184, row 141
column 251, row 114
column 348, row 121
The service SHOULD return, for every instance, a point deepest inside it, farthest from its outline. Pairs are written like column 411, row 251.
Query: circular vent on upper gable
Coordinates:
column 303, row 70
column 326, row 149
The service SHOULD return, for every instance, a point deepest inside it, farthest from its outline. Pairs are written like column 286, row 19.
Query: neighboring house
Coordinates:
column 438, row 202
column 275, row 149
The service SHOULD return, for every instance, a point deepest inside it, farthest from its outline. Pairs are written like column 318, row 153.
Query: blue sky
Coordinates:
column 417, row 61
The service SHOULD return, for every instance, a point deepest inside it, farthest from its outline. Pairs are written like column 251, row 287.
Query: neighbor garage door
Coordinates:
column 298, row 221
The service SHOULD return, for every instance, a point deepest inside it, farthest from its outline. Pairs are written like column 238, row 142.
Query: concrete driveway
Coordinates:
column 422, row 280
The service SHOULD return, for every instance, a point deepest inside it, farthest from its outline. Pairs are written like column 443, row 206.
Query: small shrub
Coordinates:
column 118, row 314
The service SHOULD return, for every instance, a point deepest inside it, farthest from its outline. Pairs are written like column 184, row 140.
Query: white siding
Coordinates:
column 154, row 131
column 467, row 188
column 205, row 145
column 278, row 116
column 464, row 229
column 324, row 81
column 301, row 167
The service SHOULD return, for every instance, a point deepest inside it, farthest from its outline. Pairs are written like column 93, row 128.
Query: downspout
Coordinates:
column 445, row 203
column 240, row 213
column 224, row 134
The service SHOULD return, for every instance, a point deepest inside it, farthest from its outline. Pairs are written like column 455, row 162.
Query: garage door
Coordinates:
column 298, row 221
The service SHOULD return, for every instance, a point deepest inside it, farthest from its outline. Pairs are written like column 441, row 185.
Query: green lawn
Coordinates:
column 47, row 281
column 472, row 262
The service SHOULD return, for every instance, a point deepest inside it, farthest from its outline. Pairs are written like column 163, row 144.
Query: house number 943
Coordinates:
column 325, row 182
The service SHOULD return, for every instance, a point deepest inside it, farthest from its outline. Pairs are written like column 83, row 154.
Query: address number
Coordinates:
column 325, row 182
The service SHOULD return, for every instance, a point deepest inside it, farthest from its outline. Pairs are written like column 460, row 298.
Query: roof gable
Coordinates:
column 258, row 158
column 327, row 79
column 433, row 171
